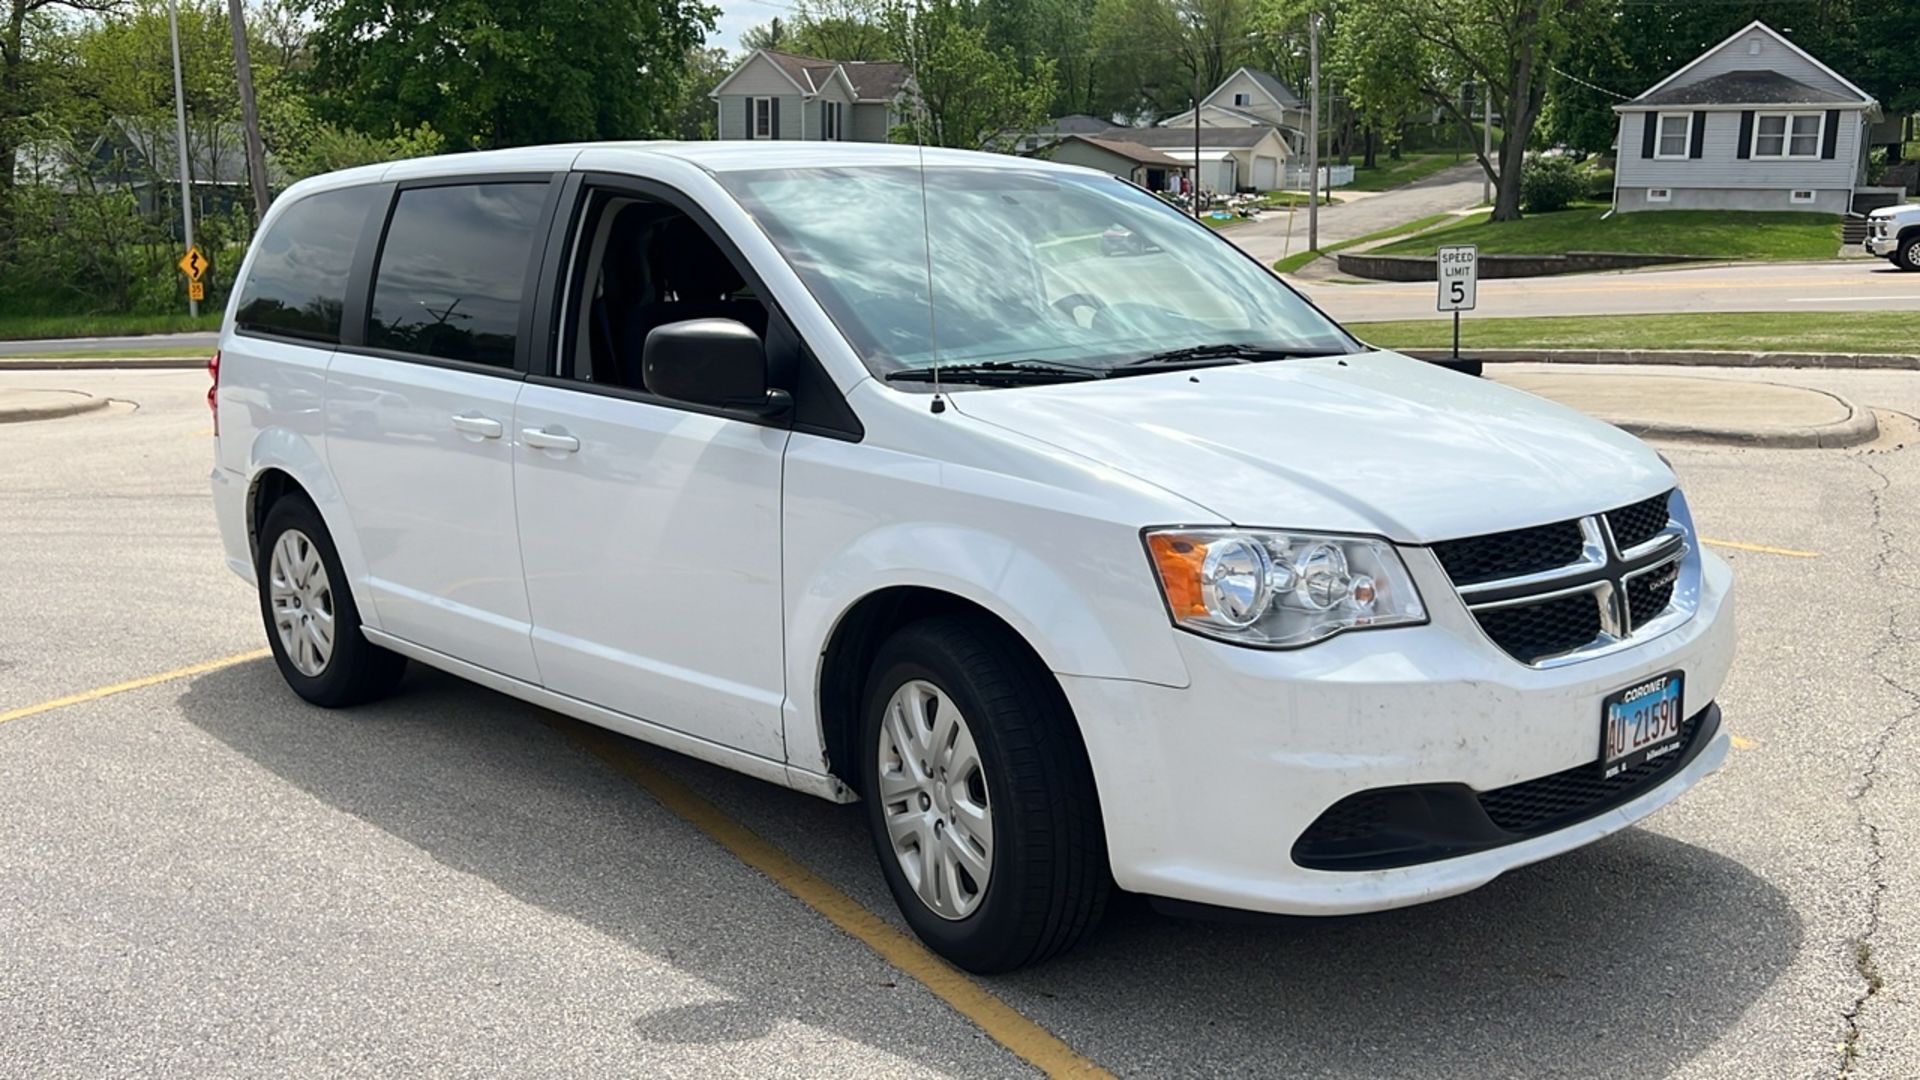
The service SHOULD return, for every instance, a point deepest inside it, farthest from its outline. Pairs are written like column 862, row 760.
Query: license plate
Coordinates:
column 1640, row 723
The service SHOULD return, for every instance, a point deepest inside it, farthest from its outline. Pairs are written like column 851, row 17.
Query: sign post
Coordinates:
column 1459, row 275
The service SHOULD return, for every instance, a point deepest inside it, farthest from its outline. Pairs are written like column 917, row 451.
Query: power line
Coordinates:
column 1555, row 68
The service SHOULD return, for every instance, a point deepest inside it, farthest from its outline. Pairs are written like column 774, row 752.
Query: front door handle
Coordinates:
column 542, row 439
column 483, row 427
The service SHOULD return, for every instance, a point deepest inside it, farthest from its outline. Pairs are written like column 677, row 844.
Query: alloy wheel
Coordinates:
column 302, row 602
column 933, row 799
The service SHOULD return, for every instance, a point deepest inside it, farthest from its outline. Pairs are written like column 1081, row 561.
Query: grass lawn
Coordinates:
column 174, row 353
column 1392, row 174
column 1796, row 331
column 1727, row 234
column 1299, row 259
column 27, row 327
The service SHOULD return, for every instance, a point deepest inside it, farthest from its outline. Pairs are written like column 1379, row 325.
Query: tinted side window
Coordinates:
column 452, row 270
column 298, row 282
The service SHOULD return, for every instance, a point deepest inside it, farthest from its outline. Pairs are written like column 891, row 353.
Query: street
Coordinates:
column 1863, row 285
column 201, row 875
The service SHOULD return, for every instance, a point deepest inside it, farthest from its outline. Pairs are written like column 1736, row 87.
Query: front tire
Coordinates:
column 979, row 797
column 1907, row 255
column 310, row 617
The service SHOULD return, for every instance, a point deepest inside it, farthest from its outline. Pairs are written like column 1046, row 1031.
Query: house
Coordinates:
column 141, row 156
column 1754, row 123
column 1248, row 158
column 1251, row 98
column 1026, row 142
column 1143, row 165
column 780, row 95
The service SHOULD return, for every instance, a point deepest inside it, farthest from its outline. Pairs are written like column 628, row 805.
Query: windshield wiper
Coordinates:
column 1234, row 352
column 1001, row 372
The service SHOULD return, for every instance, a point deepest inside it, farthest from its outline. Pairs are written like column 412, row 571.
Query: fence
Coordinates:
column 1332, row 176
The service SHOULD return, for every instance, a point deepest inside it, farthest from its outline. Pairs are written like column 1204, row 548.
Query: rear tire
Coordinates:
column 1907, row 255
column 311, row 621
column 1019, row 768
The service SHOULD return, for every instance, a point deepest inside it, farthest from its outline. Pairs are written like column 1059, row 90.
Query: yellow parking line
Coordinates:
column 1761, row 548
column 1001, row 1022
column 135, row 684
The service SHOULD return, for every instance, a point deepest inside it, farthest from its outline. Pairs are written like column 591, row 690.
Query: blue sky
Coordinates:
column 735, row 17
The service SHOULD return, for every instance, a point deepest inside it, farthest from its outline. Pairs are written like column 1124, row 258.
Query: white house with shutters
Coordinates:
column 780, row 95
column 1754, row 123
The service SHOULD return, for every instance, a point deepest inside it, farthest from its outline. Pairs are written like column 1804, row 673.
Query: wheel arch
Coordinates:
column 848, row 655
column 282, row 463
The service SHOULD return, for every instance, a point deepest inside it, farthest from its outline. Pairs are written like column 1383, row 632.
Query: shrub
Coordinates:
column 1599, row 182
column 1549, row 183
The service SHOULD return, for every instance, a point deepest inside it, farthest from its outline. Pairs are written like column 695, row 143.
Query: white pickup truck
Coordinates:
column 1893, row 232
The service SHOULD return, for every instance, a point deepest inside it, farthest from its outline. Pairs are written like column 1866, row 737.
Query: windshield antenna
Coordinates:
column 926, row 238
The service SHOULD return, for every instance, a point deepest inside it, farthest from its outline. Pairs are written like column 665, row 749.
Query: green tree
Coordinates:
column 487, row 73
column 697, row 118
column 1155, row 56
column 28, row 76
column 772, row 34
column 839, row 30
column 1509, row 47
column 970, row 96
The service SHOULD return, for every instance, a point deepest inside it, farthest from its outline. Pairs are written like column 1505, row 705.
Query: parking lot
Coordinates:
column 201, row 875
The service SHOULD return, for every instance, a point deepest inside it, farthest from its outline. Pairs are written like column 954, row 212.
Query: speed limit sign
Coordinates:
column 1459, row 274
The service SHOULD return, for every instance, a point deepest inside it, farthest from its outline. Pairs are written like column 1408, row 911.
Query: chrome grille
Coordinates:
column 1556, row 593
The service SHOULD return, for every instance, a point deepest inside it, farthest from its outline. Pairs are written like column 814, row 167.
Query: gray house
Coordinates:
column 778, row 95
column 1754, row 123
column 1251, row 98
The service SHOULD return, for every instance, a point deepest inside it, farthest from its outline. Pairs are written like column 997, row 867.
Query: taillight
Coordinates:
column 213, row 392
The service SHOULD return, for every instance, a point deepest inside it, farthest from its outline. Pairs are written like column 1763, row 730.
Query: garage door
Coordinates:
column 1266, row 173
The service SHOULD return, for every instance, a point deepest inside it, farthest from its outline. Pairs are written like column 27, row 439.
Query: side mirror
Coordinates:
column 718, row 363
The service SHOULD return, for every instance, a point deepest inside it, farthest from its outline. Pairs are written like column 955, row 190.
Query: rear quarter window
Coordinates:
column 297, row 284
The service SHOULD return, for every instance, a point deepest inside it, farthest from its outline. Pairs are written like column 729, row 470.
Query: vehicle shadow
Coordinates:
column 1624, row 959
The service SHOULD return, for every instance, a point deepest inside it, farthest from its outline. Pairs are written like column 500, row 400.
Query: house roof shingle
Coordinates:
column 1132, row 151
column 876, row 80
column 1281, row 92
column 1756, row 87
column 1161, row 138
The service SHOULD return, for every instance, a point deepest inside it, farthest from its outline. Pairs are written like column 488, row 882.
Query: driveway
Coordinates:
column 1455, row 188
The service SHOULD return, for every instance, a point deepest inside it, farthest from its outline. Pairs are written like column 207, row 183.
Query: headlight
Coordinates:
column 1281, row 590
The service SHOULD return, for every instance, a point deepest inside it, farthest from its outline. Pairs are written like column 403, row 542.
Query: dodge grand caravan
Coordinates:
column 879, row 475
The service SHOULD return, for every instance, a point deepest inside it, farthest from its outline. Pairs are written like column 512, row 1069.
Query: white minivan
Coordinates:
column 876, row 473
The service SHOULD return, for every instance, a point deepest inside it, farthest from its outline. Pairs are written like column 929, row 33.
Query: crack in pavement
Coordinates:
column 1863, row 959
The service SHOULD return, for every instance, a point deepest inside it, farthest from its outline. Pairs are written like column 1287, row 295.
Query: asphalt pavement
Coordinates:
column 109, row 346
column 204, row 876
column 1274, row 237
column 1850, row 285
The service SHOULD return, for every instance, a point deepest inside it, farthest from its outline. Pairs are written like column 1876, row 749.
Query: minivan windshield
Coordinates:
column 1030, row 269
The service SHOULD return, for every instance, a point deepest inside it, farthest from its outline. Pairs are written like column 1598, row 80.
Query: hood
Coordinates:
column 1371, row 443
column 1901, row 210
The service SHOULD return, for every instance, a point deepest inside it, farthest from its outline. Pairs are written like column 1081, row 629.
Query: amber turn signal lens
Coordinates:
column 1179, row 560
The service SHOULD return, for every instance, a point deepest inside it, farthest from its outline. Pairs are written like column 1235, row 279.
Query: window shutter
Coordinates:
column 1649, row 132
column 746, row 132
column 1698, row 141
column 823, row 120
column 774, row 127
column 1746, row 135
column 1830, row 138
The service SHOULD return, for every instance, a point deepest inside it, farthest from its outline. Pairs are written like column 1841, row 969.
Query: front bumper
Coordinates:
column 1882, row 246
column 1205, row 789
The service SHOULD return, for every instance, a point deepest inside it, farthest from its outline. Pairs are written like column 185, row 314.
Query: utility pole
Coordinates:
column 249, row 115
column 1196, row 156
column 1313, row 140
column 1486, row 141
column 180, row 134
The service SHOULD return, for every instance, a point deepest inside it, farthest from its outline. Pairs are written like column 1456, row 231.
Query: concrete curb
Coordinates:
column 1856, row 427
column 1865, row 361
column 69, row 403
column 1859, row 427
column 101, row 363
